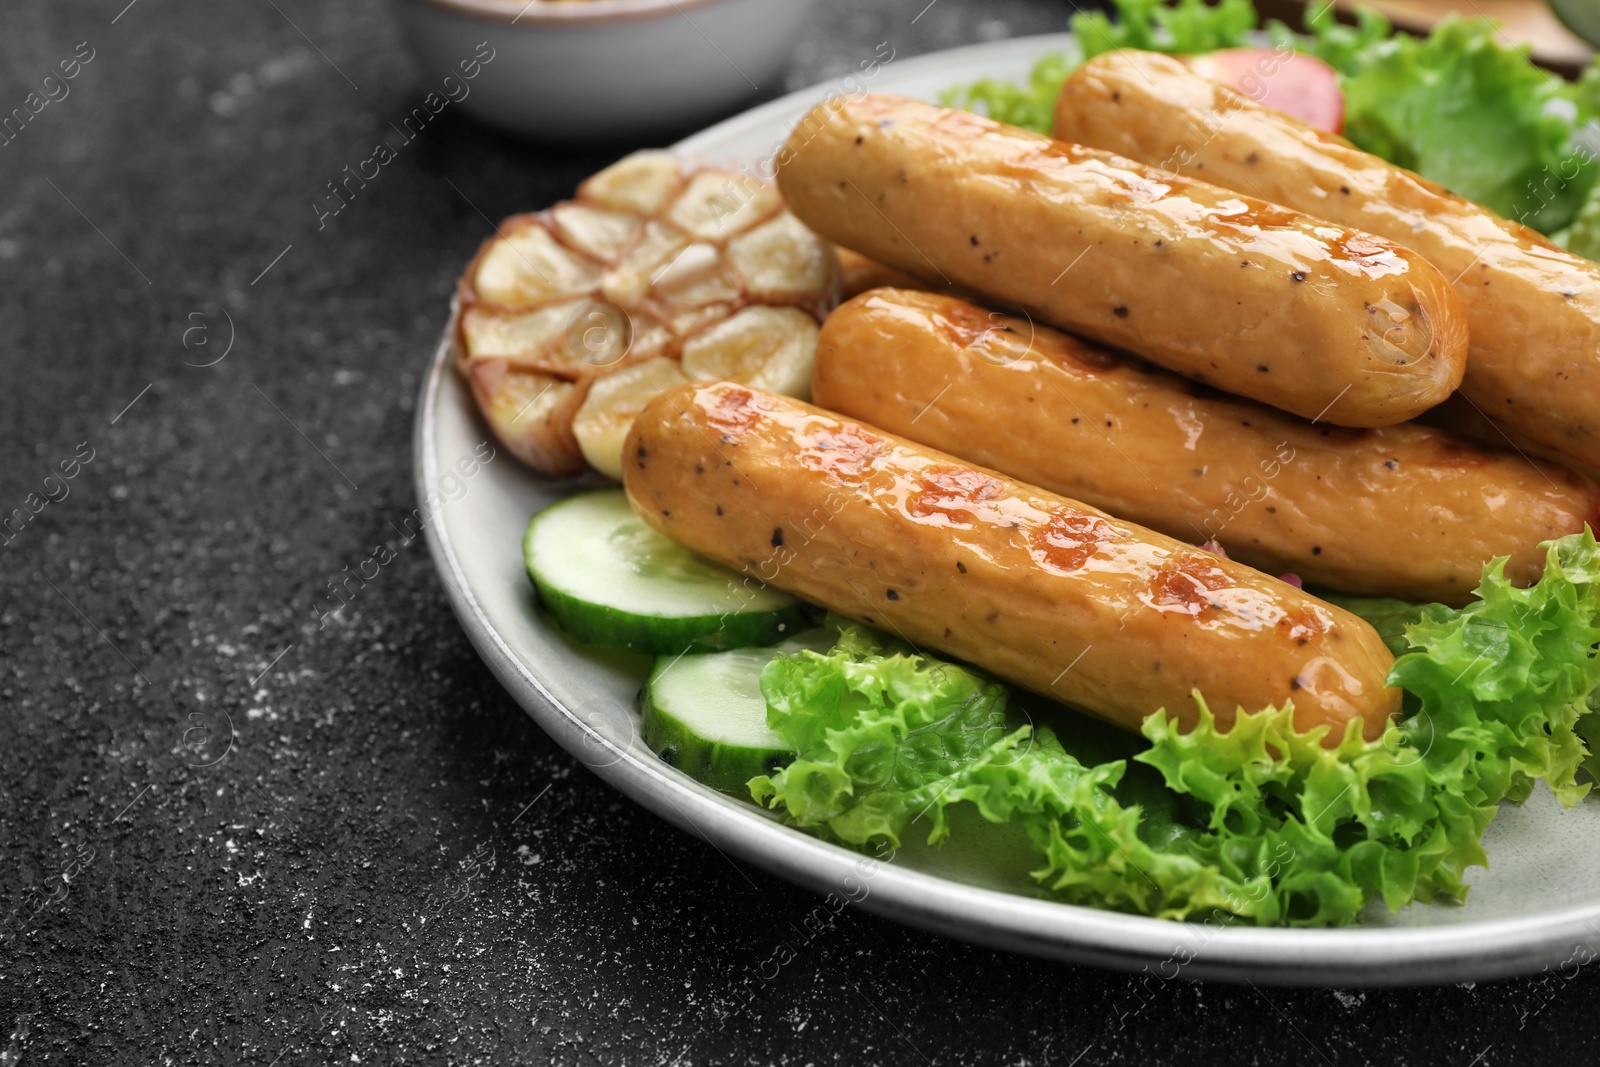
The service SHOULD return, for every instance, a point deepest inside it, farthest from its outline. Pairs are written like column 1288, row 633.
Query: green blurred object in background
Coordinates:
column 1582, row 17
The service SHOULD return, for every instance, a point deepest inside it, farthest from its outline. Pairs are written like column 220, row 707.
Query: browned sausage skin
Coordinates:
column 1047, row 593
column 1302, row 314
column 1462, row 417
column 857, row 274
column 1533, row 309
column 1408, row 511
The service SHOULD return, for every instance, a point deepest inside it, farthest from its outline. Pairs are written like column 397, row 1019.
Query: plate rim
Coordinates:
column 1068, row 933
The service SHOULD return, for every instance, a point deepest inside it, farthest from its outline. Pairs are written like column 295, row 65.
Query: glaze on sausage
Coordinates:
column 1408, row 511
column 1043, row 591
column 1308, row 316
column 1533, row 308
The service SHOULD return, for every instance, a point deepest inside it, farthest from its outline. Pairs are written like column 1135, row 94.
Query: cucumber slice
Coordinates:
column 706, row 716
column 609, row 579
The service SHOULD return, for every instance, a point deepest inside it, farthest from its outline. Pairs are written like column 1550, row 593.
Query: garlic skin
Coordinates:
column 656, row 273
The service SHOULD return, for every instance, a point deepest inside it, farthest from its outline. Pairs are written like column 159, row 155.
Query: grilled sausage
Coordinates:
column 1225, row 289
column 1462, row 417
column 1043, row 591
column 857, row 274
column 1407, row 511
column 1533, row 309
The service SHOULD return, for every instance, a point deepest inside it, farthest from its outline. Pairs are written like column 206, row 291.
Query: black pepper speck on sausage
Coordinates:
column 1041, row 203
column 1407, row 510
column 1046, row 577
column 1534, row 332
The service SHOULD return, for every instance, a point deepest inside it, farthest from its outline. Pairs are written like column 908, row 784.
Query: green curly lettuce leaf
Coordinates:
column 1468, row 112
column 1184, row 28
column 1031, row 105
column 1249, row 818
column 887, row 739
column 1511, row 675
column 1457, row 106
column 1341, row 46
column 1582, row 236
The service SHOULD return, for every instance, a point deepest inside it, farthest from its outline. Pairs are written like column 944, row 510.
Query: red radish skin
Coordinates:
column 1292, row 82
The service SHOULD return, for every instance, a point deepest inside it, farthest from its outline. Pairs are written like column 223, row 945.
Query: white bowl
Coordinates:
column 601, row 69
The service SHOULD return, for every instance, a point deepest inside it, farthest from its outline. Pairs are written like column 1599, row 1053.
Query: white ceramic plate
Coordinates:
column 1539, row 904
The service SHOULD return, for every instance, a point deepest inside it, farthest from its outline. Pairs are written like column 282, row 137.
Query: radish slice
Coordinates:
column 1296, row 84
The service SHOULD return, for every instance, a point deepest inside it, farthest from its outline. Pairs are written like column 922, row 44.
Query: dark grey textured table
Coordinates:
column 389, row 863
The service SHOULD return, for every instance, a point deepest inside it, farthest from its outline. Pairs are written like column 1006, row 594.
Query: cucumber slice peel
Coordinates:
column 706, row 716
column 609, row 579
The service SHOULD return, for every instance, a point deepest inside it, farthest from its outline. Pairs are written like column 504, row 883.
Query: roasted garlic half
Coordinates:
column 571, row 319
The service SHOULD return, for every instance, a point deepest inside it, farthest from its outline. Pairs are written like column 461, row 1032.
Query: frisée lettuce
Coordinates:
column 1255, row 821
